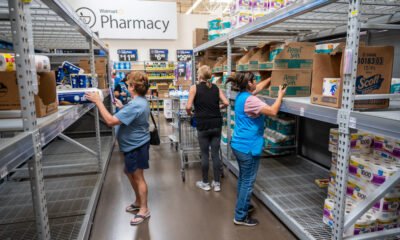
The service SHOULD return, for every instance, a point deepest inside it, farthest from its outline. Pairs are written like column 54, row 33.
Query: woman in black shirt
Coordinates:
column 206, row 98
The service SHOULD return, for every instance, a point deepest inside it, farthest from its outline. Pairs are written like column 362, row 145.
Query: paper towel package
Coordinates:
column 7, row 62
column 76, row 96
column 361, row 142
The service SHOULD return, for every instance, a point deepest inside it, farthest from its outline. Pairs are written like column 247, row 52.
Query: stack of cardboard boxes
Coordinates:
column 100, row 68
column 200, row 36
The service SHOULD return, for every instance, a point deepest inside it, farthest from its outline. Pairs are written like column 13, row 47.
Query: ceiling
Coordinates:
column 213, row 7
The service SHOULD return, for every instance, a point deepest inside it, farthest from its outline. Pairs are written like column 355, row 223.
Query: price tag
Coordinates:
column 127, row 55
column 3, row 172
column 158, row 54
column 302, row 112
column 184, row 55
column 353, row 122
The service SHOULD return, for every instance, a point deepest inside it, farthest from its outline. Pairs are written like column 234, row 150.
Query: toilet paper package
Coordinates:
column 325, row 48
column 361, row 142
column 387, row 223
column 387, row 148
column 7, row 62
column 42, row 63
column 240, row 5
column 81, row 80
column 70, row 68
column 366, row 224
column 395, row 87
column 241, row 18
column 76, row 96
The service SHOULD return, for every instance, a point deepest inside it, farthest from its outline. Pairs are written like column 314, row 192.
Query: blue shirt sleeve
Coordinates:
column 128, row 113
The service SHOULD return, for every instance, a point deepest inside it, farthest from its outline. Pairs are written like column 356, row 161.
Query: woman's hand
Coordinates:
column 94, row 97
column 118, row 104
column 282, row 91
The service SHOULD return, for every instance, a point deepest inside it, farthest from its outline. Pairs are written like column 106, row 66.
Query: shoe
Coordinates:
column 251, row 208
column 216, row 186
column 204, row 186
column 250, row 222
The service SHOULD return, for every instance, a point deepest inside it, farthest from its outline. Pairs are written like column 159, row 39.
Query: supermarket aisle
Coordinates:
column 179, row 210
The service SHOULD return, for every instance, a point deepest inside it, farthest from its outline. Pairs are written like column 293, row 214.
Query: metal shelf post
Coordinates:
column 96, row 110
column 350, row 74
column 21, row 26
column 229, row 44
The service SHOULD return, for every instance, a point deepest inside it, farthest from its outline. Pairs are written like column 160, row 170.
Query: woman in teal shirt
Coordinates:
column 248, row 138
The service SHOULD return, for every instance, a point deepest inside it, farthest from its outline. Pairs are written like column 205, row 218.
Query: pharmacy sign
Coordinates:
column 121, row 19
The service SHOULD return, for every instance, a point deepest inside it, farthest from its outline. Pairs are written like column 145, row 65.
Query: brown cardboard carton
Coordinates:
column 243, row 63
column 200, row 36
column 298, row 82
column 374, row 74
column 45, row 100
column 292, row 55
column 162, row 86
column 219, row 65
column 261, row 55
column 102, row 83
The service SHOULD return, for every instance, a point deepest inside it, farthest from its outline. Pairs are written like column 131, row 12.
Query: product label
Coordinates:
column 294, row 52
column 367, row 85
column 293, row 63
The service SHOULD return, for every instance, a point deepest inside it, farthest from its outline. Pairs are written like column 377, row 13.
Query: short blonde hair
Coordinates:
column 139, row 82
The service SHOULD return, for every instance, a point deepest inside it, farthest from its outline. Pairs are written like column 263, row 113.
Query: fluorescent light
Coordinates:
column 193, row 7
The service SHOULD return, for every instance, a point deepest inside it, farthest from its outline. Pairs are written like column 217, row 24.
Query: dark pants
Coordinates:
column 210, row 138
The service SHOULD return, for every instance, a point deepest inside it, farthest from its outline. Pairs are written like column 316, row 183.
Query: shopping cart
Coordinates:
column 188, row 143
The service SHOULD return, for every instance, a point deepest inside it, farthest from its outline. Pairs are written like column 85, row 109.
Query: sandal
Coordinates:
column 132, row 208
column 142, row 218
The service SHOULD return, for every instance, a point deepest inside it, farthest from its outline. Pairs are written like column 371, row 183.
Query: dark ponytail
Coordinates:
column 240, row 81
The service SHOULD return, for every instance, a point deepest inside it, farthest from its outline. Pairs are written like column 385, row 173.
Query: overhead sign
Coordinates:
column 127, row 55
column 184, row 55
column 158, row 54
column 121, row 19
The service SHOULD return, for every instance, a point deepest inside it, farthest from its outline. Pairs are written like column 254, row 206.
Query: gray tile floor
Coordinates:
column 179, row 210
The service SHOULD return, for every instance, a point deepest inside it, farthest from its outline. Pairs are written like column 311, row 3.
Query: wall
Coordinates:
column 186, row 25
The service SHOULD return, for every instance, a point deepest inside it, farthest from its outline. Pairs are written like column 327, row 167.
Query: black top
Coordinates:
column 206, row 107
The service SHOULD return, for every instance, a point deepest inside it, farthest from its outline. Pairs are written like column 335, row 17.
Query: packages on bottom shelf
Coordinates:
column 76, row 96
column 7, row 63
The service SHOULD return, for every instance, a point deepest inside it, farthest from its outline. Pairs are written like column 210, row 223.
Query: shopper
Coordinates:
column 206, row 98
column 248, row 138
column 121, row 91
column 133, row 138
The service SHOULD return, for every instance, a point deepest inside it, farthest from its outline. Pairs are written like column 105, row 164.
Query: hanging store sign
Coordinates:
column 121, row 19
column 158, row 54
column 127, row 55
column 184, row 55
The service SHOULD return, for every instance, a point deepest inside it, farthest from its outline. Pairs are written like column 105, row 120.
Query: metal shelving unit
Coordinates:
column 300, row 206
column 56, row 207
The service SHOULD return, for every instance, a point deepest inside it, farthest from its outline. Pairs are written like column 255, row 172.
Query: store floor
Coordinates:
column 179, row 211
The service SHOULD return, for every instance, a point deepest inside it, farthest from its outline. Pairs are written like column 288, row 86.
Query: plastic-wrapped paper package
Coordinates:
column 241, row 18
column 325, row 48
column 366, row 224
column 7, row 62
column 76, row 96
column 387, row 148
column 70, row 68
column 214, row 28
column 42, row 63
column 386, row 223
column 361, row 142
column 226, row 24
column 329, row 86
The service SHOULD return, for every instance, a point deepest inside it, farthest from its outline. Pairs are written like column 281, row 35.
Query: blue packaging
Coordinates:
column 74, row 80
column 60, row 75
column 83, row 81
column 72, row 98
column 70, row 68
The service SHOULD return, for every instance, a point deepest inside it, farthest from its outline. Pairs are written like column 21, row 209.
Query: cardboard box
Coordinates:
column 45, row 100
column 298, row 82
column 374, row 74
column 162, row 86
column 200, row 36
column 102, row 83
column 163, row 93
column 292, row 55
column 100, row 65
column 219, row 65
column 261, row 55
column 243, row 63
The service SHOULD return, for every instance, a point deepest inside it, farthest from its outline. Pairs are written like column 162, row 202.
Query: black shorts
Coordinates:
column 137, row 158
